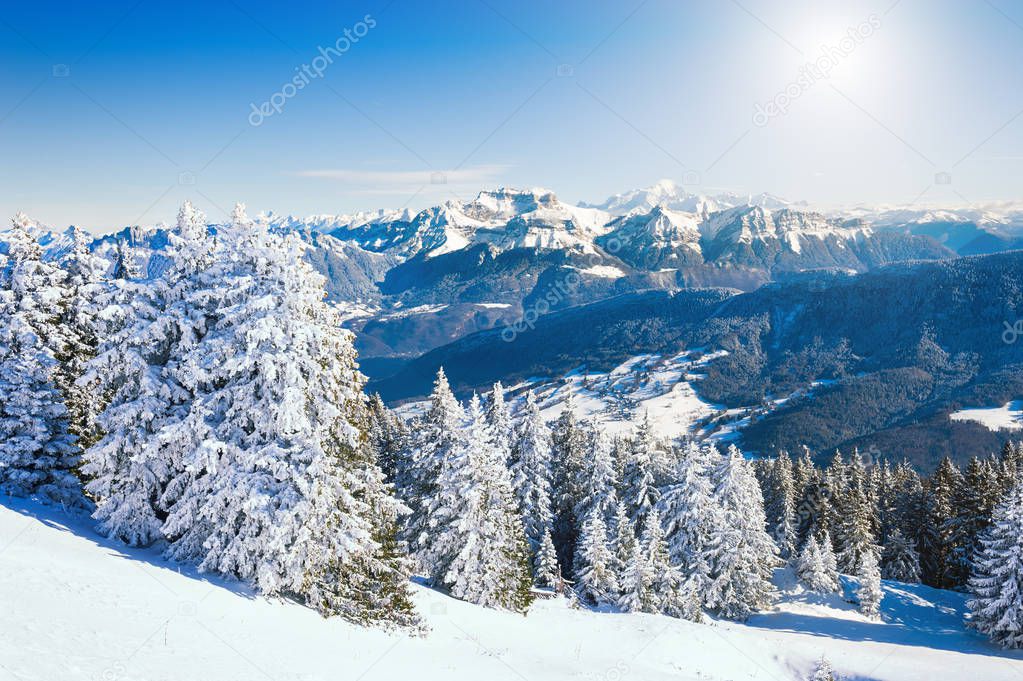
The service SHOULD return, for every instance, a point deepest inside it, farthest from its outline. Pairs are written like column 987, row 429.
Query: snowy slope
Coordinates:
column 77, row 607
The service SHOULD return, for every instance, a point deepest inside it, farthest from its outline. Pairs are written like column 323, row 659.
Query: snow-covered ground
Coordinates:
column 76, row 606
column 1009, row 416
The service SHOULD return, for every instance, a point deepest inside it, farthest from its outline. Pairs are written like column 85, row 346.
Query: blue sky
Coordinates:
column 113, row 113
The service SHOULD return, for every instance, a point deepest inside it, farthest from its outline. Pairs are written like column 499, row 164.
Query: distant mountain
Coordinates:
column 668, row 194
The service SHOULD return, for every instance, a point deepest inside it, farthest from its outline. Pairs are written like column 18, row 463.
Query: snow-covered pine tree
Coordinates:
column 38, row 454
column 598, row 478
column 937, row 560
column 854, row 536
column 434, row 440
column 780, row 504
column 671, row 594
column 546, row 570
column 996, row 578
column 744, row 556
column 973, row 504
column 84, row 284
column 899, row 559
column 813, row 569
column 532, row 472
column 823, row 672
column 389, row 437
column 569, row 460
column 635, row 593
column 868, row 592
column 145, row 329
column 639, row 483
column 623, row 543
column 596, row 582
column 478, row 548
column 279, row 487
column 500, row 420
column 693, row 519
column 126, row 264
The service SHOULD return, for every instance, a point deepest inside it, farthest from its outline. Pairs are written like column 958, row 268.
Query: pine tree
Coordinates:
column 38, row 454
column 780, row 504
column 899, row 559
column 435, row 439
column 598, row 479
column 500, row 421
column 545, row 564
column 973, row 504
column 532, row 472
column 869, row 591
column 813, row 567
column 936, row 546
column 569, row 461
column 823, row 672
column 478, row 548
column 595, row 578
column 639, row 483
column 853, row 533
column 692, row 518
column 84, row 273
column 388, row 436
column 670, row 593
column 996, row 578
column 636, row 595
column 623, row 544
column 278, row 487
column 744, row 557
column 147, row 326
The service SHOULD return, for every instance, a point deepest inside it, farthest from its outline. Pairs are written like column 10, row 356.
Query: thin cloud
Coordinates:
column 388, row 181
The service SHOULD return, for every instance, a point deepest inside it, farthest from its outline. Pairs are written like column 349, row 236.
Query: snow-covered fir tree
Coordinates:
column 823, row 672
column 500, row 420
column 853, row 534
column 596, row 581
column 639, row 483
column 38, row 453
column 814, row 569
column 743, row 556
column 546, row 571
column 435, row 438
column 996, row 578
column 623, row 542
column 598, row 479
column 532, row 472
column 568, row 438
column 146, row 327
column 935, row 541
column 478, row 547
column 84, row 272
column 635, row 594
column 279, row 487
column 693, row 520
column 780, row 504
column 670, row 593
column 389, row 437
column 868, row 592
column 899, row 559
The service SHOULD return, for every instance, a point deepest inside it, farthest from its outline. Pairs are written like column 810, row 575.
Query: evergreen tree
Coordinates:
column 813, row 567
column 670, row 594
column 389, row 438
column 744, row 556
column 623, row 544
column 636, row 595
column 937, row 550
column 869, row 592
column 899, row 560
column 278, row 486
column 780, row 504
column 996, row 578
column 853, row 533
column 545, row 564
column 823, row 672
column 595, row 578
column 598, row 479
column 147, row 326
column 532, row 472
column 478, row 548
column 500, row 421
column 435, row 439
column 973, row 504
column 38, row 454
column 692, row 518
column 639, row 483
column 569, row 459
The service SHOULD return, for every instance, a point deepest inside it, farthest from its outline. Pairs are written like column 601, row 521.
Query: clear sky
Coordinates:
column 113, row 113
